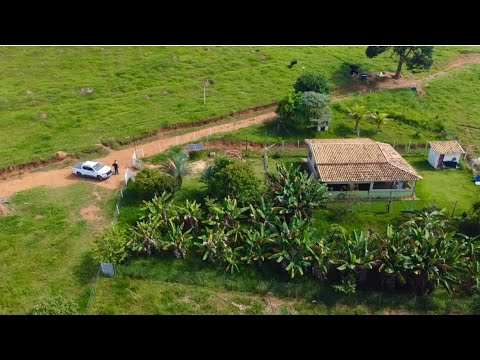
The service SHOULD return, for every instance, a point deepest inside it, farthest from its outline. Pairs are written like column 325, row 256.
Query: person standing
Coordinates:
column 115, row 167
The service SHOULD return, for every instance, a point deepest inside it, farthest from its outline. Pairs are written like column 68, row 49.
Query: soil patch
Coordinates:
column 91, row 213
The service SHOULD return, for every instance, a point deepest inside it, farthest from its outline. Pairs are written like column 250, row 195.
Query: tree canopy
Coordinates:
column 311, row 82
column 416, row 58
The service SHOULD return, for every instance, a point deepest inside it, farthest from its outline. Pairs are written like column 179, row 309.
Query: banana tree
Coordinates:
column 258, row 243
column 189, row 214
column 292, row 245
column 177, row 240
column 146, row 237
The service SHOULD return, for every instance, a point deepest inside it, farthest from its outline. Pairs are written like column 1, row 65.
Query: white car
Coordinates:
column 92, row 169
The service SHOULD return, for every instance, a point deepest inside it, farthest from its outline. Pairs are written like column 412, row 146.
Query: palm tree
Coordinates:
column 176, row 166
column 358, row 113
column 380, row 119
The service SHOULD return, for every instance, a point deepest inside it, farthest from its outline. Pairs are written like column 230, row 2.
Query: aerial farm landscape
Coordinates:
column 246, row 180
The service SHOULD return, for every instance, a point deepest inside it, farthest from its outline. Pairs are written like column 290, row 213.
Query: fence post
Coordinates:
column 283, row 145
column 454, row 208
column 121, row 193
column 298, row 144
column 118, row 210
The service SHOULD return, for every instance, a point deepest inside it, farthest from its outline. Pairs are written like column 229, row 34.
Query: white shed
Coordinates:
column 445, row 154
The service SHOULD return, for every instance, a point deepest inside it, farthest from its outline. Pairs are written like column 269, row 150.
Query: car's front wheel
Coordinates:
column 79, row 173
column 100, row 178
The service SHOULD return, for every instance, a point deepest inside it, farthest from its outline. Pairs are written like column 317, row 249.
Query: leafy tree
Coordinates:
column 56, row 305
column 286, row 106
column 358, row 113
column 311, row 82
column 314, row 108
column 380, row 119
column 111, row 246
column 220, row 163
column 151, row 182
column 237, row 180
column 176, row 166
column 415, row 57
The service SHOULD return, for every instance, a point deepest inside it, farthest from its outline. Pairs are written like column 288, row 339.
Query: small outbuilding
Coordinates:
column 445, row 154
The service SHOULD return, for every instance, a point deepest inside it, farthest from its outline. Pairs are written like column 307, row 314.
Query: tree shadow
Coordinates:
column 87, row 269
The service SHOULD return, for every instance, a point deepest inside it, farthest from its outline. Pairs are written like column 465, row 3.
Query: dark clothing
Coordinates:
column 115, row 167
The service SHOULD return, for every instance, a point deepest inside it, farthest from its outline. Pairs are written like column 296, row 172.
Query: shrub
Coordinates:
column 151, row 182
column 312, row 82
column 111, row 246
column 56, row 305
column 248, row 153
column 237, row 180
column 198, row 155
column 277, row 155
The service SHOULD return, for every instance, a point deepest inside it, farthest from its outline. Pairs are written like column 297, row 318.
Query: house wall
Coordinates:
column 433, row 158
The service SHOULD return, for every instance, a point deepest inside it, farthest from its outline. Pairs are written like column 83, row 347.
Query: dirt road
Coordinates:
column 63, row 177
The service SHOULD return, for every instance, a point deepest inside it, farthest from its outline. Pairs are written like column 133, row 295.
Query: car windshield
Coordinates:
column 98, row 166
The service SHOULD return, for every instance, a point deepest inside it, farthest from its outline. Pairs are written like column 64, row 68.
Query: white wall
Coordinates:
column 449, row 157
column 433, row 158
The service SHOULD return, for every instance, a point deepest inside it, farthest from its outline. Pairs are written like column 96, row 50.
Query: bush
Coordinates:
column 111, row 246
column 151, row 182
column 198, row 155
column 312, row 82
column 277, row 155
column 237, row 180
column 56, row 305
column 248, row 153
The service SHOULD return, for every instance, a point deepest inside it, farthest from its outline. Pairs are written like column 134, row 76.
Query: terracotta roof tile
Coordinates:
column 352, row 160
column 446, row 147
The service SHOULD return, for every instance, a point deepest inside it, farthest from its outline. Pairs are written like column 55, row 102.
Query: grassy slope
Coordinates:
column 44, row 247
column 451, row 99
column 141, row 89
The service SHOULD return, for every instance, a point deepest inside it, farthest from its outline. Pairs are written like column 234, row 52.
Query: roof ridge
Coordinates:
column 400, row 158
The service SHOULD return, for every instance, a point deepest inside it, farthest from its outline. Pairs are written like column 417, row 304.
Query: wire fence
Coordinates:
column 128, row 176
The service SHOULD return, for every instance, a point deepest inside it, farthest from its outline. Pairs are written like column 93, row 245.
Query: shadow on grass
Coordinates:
column 87, row 269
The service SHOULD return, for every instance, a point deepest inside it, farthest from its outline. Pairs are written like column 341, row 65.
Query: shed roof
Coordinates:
column 446, row 147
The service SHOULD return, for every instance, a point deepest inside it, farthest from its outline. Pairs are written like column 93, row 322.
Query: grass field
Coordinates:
column 138, row 90
column 44, row 246
column 451, row 99
column 169, row 286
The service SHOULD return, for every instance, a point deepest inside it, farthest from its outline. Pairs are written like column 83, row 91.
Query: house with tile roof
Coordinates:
column 361, row 167
column 445, row 154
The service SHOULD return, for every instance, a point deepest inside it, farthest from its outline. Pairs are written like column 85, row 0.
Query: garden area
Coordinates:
column 227, row 271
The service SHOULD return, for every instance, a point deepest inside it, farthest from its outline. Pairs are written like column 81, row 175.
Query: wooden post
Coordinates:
column 454, row 208
column 298, row 144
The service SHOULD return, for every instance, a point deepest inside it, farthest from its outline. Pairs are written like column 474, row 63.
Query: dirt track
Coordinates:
column 63, row 177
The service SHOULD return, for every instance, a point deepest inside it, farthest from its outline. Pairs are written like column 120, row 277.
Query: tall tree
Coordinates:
column 358, row 113
column 380, row 119
column 415, row 57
